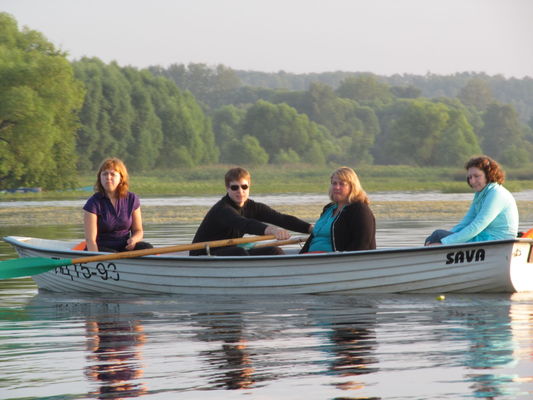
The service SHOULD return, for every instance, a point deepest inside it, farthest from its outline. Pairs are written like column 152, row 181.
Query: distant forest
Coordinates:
column 59, row 118
column 513, row 91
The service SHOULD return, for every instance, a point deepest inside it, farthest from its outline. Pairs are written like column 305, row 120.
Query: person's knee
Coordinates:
column 143, row 246
column 229, row 251
column 267, row 251
column 436, row 236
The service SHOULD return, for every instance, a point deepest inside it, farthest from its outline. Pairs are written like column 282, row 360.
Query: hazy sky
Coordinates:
column 380, row 36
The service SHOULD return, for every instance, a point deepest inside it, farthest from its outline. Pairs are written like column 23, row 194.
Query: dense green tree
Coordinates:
column 458, row 141
column 354, row 127
column 405, row 92
column 244, row 151
column 226, row 124
column 424, row 133
column 94, row 121
column 476, row 94
column 502, row 134
column 288, row 156
column 211, row 86
column 279, row 128
column 365, row 89
column 107, row 115
column 143, row 119
column 146, row 126
column 227, row 129
column 188, row 138
column 39, row 101
column 256, row 85
column 415, row 133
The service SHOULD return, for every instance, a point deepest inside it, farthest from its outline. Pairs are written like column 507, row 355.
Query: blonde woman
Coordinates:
column 112, row 215
column 347, row 223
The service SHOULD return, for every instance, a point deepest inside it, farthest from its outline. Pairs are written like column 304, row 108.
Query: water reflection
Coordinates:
column 283, row 347
column 522, row 330
column 114, row 340
column 352, row 343
column 115, row 357
column 484, row 327
column 232, row 361
column 354, row 349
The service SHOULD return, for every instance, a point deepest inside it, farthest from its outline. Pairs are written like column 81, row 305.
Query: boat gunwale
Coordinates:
column 16, row 242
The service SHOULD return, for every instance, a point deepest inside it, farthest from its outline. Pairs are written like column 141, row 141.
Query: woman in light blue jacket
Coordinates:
column 493, row 214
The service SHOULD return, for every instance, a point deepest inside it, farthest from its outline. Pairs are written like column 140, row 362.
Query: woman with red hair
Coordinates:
column 112, row 216
column 493, row 214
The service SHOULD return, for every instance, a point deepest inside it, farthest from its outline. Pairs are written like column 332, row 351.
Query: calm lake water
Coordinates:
column 73, row 346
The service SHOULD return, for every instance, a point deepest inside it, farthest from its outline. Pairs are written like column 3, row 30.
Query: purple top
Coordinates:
column 114, row 224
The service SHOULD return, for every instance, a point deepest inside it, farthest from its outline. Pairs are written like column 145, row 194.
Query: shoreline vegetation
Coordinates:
column 284, row 179
column 383, row 210
column 288, row 179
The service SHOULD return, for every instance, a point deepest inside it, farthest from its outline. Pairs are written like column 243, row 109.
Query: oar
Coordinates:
column 29, row 266
column 281, row 242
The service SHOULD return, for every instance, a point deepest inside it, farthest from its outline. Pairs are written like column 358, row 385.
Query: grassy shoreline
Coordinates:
column 291, row 179
column 384, row 210
column 288, row 179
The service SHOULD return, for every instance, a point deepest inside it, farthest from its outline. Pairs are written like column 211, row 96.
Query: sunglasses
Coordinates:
column 236, row 187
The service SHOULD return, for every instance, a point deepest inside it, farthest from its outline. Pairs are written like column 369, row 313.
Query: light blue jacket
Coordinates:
column 493, row 215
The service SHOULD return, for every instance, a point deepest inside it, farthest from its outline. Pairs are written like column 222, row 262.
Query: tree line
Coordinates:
column 59, row 118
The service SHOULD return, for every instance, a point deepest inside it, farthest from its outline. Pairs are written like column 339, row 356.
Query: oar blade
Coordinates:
column 20, row 267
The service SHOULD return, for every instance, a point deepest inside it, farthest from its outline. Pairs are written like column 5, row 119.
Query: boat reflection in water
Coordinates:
column 522, row 330
column 352, row 345
column 233, row 360
column 114, row 357
column 312, row 347
column 486, row 325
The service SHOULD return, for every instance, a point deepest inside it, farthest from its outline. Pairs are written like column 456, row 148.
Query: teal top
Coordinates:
column 493, row 215
column 322, row 232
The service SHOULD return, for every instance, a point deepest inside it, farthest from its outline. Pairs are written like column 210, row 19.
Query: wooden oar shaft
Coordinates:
column 171, row 249
column 281, row 242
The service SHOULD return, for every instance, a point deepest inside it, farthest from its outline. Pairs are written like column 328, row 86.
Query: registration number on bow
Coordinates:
column 103, row 271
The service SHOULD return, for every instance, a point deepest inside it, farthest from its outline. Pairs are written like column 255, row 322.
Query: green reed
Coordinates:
column 209, row 180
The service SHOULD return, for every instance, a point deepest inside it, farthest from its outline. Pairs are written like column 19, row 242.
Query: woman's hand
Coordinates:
column 130, row 244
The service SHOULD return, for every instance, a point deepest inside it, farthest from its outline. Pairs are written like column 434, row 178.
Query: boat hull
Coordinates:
column 484, row 267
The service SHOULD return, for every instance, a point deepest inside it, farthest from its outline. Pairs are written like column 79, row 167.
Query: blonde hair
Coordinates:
column 346, row 174
column 118, row 166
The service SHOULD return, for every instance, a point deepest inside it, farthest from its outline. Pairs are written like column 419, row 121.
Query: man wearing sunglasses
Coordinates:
column 235, row 215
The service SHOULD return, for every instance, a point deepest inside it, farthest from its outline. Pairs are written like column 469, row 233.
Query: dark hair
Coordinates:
column 118, row 166
column 235, row 174
column 493, row 171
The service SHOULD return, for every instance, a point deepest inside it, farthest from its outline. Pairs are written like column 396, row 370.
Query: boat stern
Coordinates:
column 522, row 265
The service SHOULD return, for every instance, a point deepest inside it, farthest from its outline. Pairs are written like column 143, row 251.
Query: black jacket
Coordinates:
column 353, row 229
column 226, row 220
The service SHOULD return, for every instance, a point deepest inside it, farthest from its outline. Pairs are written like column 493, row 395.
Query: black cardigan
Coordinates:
column 353, row 229
column 226, row 220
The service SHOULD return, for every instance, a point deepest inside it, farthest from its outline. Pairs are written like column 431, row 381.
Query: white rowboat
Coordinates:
column 482, row 267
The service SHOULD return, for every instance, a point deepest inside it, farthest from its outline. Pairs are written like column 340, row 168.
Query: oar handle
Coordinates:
column 171, row 249
column 281, row 242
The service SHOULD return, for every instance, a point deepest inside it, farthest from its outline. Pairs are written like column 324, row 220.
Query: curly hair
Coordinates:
column 493, row 171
